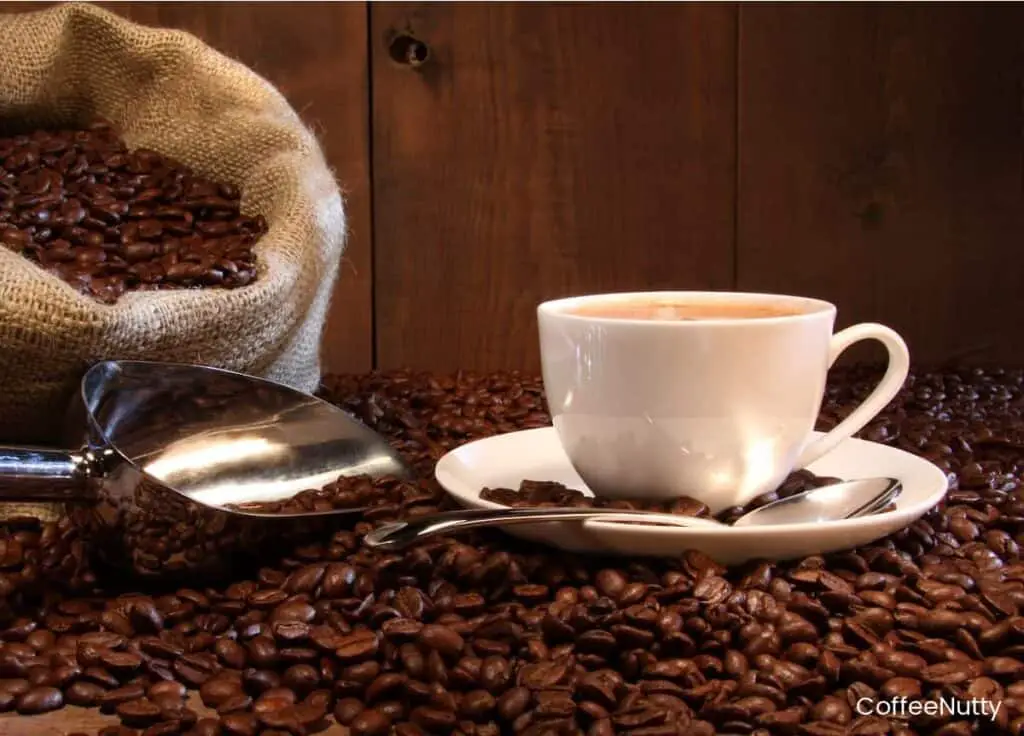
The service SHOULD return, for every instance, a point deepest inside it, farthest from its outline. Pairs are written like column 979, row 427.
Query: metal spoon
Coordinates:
column 846, row 500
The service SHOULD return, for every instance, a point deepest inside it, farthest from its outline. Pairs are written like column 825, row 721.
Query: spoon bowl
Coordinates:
column 847, row 500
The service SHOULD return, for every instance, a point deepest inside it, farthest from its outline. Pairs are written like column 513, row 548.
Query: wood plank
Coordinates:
column 880, row 167
column 544, row 150
column 317, row 58
column 72, row 719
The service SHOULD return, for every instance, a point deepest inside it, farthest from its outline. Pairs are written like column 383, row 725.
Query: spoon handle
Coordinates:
column 401, row 534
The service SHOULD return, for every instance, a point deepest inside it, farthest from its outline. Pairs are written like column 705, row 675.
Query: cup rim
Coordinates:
column 810, row 307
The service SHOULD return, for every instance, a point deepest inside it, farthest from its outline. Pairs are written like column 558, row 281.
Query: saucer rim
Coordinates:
column 905, row 515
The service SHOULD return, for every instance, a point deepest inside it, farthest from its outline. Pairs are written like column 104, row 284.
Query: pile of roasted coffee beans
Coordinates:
column 483, row 635
column 106, row 219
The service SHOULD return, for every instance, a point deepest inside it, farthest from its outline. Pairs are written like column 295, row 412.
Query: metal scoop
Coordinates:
column 847, row 500
column 158, row 451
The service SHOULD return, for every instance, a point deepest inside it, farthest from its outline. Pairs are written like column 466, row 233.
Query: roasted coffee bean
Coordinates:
column 266, row 599
column 164, row 728
column 146, row 617
column 231, row 653
column 235, row 703
column 113, row 698
column 259, row 681
column 138, row 713
column 433, row 720
column 297, row 611
column 39, row 700
column 476, row 705
column 495, row 673
column 370, row 722
column 41, row 675
column 218, row 689
column 951, row 673
column 441, row 639
column 274, row 699
column 206, row 727
column 240, row 724
column 286, row 719
column 41, row 640
column 901, row 687
column 290, row 632
column 357, row 646
column 302, row 678
column 325, row 638
column 319, row 700
column 166, row 701
column 189, row 674
column 84, row 693
column 262, row 651
column 346, row 709
column 514, row 703
column 121, row 661
column 100, row 676
column 64, row 675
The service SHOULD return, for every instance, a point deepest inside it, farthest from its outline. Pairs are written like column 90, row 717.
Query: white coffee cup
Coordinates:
column 719, row 407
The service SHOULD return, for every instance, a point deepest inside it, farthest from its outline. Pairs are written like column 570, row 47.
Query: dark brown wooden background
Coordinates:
column 869, row 154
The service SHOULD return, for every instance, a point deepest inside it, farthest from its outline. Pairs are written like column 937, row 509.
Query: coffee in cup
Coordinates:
column 712, row 395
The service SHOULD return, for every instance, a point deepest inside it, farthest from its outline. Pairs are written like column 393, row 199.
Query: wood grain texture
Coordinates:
column 316, row 55
column 72, row 720
column 65, row 721
column 544, row 150
column 880, row 167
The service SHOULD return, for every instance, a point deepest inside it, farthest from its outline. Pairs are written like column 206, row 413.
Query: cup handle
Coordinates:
column 887, row 388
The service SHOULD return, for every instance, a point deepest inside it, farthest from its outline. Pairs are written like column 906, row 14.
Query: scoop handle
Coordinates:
column 43, row 474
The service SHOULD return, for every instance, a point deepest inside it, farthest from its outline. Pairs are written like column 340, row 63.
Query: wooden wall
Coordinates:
column 496, row 155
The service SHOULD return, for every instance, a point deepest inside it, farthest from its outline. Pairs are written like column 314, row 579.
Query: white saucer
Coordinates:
column 504, row 461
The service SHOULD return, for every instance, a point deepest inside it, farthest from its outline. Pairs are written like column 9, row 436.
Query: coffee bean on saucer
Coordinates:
column 547, row 493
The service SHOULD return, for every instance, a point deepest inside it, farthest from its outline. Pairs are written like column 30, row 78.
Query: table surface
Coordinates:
column 89, row 720
column 66, row 721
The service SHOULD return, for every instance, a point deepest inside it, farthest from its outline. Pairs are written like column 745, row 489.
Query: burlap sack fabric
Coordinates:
column 167, row 91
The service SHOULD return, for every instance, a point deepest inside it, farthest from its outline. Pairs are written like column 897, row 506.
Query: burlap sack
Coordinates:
column 167, row 91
